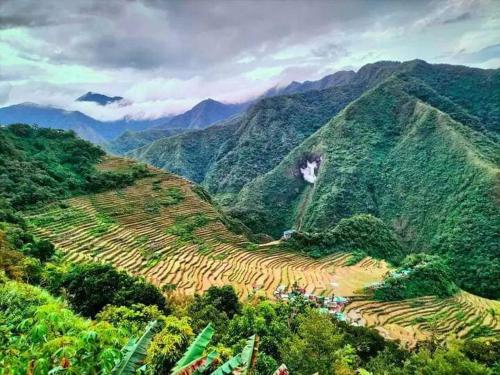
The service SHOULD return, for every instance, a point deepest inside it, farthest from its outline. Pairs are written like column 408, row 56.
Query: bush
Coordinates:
column 419, row 275
column 90, row 287
column 361, row 233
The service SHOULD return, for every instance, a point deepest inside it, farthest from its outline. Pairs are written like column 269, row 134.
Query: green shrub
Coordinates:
column 90, row 287
column 419, row 275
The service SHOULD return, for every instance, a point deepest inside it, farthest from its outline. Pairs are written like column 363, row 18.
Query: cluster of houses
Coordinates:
column 328, row 304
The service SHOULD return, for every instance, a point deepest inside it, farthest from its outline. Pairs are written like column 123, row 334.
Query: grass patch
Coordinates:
column 356, row 257
column 103, row 224
column 459, row 315
column 185, row 227
column 141, row 240
column 153, row 260
column 220, row 256
column 251, row 246
column 172, row 196
column 152, row 207
column 204, row 248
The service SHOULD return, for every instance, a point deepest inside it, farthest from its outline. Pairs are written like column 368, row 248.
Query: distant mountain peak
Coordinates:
column 97, row 98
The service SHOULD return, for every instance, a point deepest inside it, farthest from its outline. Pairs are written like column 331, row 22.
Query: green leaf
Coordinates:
column 229, row 366
column 134, row 352
column 242, row 360
column 210, row 358
column 195, row 351
column 248, row 354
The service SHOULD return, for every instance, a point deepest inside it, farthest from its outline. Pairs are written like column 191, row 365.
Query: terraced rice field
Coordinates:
column 162, row 229
column 464, row 315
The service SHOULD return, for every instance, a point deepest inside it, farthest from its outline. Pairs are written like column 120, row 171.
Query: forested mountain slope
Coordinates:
column 203, row 114
column 260, row 139
column 191, row 154
column 340, row 78
column 131, row 140
column 432, row 176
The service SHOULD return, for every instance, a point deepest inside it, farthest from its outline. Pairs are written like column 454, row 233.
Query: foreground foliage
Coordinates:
column 39, row 333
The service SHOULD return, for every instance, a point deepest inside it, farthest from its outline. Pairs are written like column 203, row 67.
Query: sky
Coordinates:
column 165, row 56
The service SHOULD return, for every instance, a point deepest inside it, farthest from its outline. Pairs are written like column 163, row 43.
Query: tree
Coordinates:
column 134, row 318
column 169, row 345
column 41, row 249
column 90, row 287
column 223, row 299
column 313, row 348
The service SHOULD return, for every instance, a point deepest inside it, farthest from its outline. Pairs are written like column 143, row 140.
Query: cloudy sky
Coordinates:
column 165, row 56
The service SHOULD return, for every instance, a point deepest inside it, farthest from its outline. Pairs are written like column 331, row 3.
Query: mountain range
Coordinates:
column 414, row 144
column 336, row 79
column 201, row 115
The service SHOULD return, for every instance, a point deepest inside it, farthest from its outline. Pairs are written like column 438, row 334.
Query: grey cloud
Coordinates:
column 4, row 92
column 483, row 55
column 330, row 51
column 461, row 17
column 185, row 37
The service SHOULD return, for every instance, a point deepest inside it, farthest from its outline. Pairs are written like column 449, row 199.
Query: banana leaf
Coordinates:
column 248, row 354
column 193, row 357
column 210, row 358
column 229, row 366
column 134, row 351
column 242, row 361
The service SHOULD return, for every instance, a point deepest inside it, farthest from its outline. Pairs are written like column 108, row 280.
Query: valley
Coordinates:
column 273, row 187
column 132, row 229
column 146, row 229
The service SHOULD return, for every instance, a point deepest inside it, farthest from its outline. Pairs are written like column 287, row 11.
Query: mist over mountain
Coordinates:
column 99, row 132
column 134, row 131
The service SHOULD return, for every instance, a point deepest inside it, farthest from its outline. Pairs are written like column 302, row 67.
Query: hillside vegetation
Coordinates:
column 39, row 165
column 258, row 140
column 431, row 178
column 161, row 228
column 191, row 154
column 155, row 220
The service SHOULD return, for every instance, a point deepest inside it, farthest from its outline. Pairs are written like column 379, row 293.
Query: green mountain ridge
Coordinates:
column 432, row 179
column 260, row 138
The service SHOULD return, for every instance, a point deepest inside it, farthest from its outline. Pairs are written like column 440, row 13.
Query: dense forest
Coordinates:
column 61, row 317
column 430, row 176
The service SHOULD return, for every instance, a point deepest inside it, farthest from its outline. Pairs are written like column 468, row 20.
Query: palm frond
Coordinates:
column 134, row 351
column 248, row 354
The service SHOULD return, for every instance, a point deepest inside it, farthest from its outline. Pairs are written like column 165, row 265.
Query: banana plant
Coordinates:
column 242, row 362
column 134, row 351
column 194, row 362
column 193, row 359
